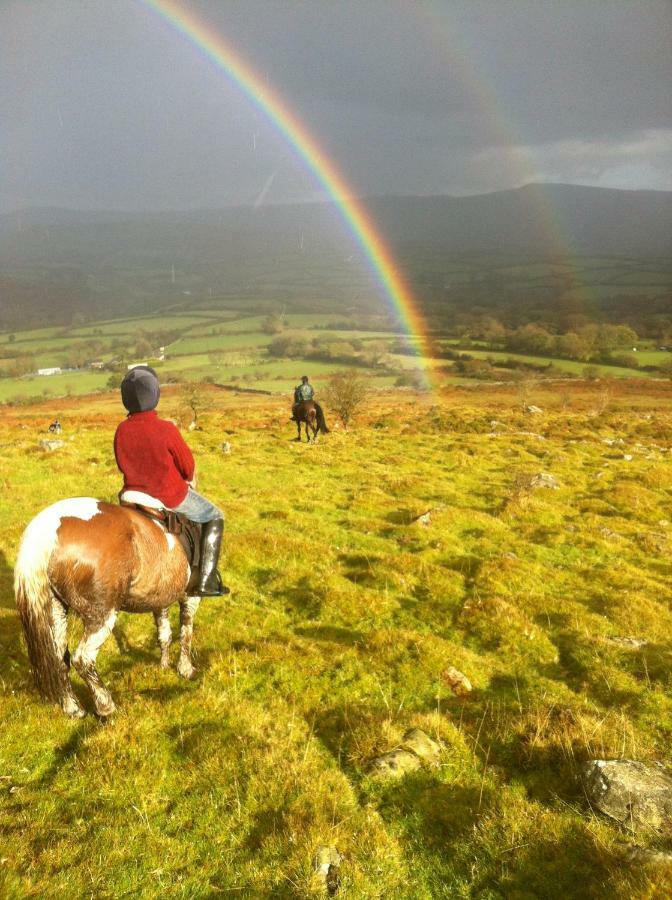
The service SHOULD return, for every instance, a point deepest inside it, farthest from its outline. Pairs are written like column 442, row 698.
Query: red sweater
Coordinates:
column 153, row 457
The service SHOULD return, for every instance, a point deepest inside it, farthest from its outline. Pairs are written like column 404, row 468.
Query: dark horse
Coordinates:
column 96, row 559
column 308, row 412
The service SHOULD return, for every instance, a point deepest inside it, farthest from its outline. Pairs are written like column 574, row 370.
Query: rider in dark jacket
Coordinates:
column 302, row 393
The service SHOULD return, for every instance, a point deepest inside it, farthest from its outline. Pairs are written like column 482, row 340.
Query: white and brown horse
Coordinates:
column 96, row 559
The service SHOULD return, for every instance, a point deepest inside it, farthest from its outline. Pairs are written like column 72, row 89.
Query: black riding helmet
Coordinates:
column 304, row 379
column 140, row 389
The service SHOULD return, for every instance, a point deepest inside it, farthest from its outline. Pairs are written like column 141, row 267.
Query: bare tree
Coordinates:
column 193, row 403
column 345, row 393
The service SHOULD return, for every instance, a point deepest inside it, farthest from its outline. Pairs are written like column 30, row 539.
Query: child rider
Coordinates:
column 154, row 459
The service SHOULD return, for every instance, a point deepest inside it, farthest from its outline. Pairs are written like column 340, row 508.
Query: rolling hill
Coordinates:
column 55, row 264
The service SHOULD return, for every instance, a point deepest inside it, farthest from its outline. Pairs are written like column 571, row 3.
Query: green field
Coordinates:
column 345, row 615
column 230, row 346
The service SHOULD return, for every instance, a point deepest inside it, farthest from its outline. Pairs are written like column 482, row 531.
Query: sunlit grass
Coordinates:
column 345, row 613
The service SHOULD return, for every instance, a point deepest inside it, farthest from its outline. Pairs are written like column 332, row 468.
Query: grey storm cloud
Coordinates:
column 104, row 104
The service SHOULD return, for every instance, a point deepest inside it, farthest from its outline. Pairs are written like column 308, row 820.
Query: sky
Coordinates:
column 105, row 105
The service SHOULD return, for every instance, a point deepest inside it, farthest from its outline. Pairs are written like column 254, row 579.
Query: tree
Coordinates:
column 345, row 393
column 193, row 402
column 114, row 381
column 274, row 324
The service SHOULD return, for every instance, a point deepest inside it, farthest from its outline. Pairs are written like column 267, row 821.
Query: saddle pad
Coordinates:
column 141, row 498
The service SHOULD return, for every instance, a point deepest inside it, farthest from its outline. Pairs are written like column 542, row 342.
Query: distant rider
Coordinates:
column 155, row 460
column 302, row 393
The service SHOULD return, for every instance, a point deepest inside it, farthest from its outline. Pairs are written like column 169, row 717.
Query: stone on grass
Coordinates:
column 394, row 764
column 632, row 642
column 531, row 409
column 50, row 446
column 634, row 793
column 415, row 749
column 226, row 447
column 457, row 681
column 427, row 750
column 544, row 480
column 326, row 865
column 655, row 858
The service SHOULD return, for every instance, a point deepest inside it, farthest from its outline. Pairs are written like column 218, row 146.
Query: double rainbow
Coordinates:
column 353, row 212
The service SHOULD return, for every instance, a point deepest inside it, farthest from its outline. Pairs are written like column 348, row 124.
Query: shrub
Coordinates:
column 345, row 394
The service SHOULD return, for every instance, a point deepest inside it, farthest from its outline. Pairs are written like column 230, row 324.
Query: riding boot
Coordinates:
column 210, row 582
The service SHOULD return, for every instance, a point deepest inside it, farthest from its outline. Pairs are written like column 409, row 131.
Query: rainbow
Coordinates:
column 353, row 212
column 441, row 31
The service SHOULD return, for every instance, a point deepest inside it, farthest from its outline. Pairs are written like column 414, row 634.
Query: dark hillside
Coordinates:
column 56, row 264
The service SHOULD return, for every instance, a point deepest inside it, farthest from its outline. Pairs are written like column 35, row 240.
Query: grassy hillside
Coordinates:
column 346, row 613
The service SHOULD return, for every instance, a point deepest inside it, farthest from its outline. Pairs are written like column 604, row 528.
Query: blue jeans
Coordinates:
column 197, row 508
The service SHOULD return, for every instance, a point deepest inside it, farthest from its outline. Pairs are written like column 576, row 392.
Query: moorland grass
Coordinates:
column 346, row 611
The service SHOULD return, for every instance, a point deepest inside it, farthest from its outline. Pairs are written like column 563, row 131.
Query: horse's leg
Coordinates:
column 164, row 635
column 298, row 428
column 84, row 660
column 188, row 608
column 59, row 617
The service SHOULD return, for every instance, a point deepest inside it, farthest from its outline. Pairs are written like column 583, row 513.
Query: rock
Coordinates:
column 530, row 409
column 50, row 446
column 193, row 427
column 394, row 764
column 635, row 643
column 627, row 457
column 426, row 517
column 457, row 682
column 422, row 745
column 544, row 480
column 326, row 864
column 643, row 857
column 634, row 793
column 226, row 447
column 415, row 749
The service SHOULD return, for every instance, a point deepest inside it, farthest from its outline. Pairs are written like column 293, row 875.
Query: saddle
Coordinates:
column 187, row 532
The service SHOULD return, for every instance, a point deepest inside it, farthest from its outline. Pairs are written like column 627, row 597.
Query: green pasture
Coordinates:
column 237, row 341
column 143, row 323
column 34, row 334
column 566, row 365
column 346, row 612
column 52, row 385
column 600, row 291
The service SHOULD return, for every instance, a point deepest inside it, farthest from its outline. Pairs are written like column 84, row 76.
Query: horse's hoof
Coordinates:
column 185, row 670
column 165, row 662
column 105, row 711
column 72, row 709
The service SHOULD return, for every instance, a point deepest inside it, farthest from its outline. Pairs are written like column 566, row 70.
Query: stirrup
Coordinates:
column 212, row 590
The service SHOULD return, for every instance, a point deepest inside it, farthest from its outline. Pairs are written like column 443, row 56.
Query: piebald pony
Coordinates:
column 96, row 559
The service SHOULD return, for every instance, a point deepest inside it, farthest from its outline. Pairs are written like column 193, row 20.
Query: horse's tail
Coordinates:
column 34, row 601
column 321, row 422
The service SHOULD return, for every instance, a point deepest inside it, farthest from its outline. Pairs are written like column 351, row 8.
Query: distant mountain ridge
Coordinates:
column 533, row 218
